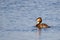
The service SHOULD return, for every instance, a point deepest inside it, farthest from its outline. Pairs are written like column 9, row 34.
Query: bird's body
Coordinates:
column 39, row 24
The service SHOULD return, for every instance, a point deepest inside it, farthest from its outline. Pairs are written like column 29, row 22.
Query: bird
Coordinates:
column 41, row 25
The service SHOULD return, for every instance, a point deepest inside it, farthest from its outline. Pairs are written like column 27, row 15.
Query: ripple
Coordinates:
column 33, row 29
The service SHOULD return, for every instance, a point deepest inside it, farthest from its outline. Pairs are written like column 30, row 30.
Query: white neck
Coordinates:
column 37, row 22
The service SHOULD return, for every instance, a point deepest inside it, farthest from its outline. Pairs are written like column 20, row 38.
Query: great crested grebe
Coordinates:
column 41, row 25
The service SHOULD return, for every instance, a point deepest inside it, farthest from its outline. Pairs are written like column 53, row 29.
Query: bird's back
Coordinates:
column 40, row 26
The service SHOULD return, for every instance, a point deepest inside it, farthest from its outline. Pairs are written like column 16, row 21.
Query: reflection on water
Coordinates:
column 38, row 34
column 30, row 34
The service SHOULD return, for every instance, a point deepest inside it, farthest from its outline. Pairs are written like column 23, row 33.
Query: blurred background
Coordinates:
column 18, row 19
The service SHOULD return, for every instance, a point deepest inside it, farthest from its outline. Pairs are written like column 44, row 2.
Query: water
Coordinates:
column 18, row 19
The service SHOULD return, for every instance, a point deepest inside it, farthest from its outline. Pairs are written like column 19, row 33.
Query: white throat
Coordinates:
column 37, row 22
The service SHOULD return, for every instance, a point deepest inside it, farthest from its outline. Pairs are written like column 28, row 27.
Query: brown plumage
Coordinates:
column 39, row 24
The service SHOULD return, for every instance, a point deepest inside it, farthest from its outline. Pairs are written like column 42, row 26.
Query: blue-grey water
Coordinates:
column 18, row 19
